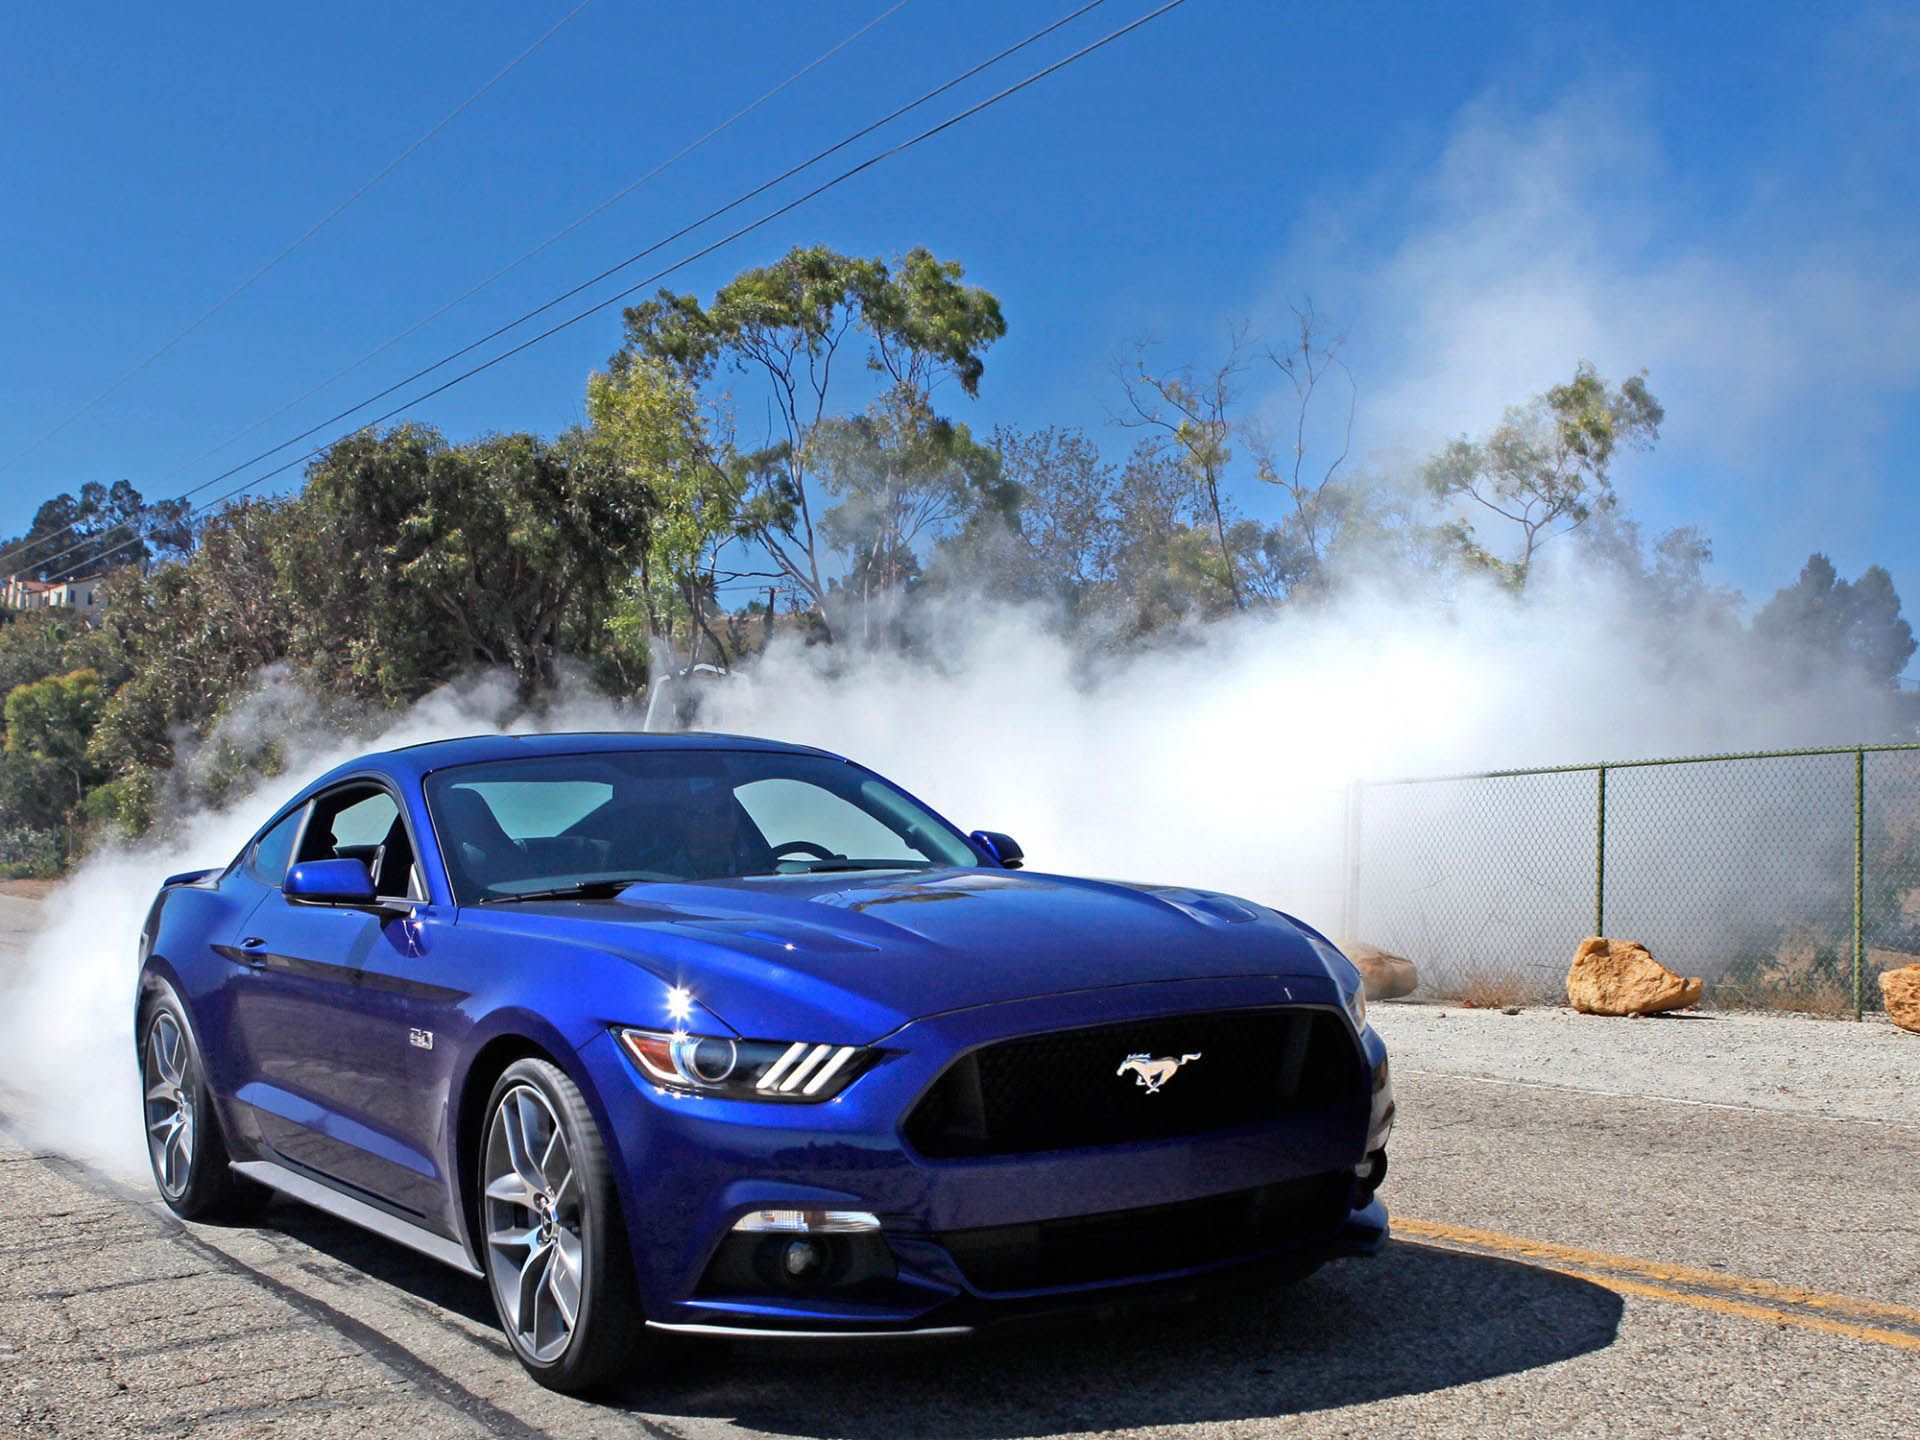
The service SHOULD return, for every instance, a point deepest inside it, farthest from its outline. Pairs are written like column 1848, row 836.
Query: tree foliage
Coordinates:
column 102, row 527
column 446, row 556
column 1545, row 469
column 788, row 326
column 53, row 719
column 903, row 478
column 630, row 542
column 647, row 423
column 1823, row 617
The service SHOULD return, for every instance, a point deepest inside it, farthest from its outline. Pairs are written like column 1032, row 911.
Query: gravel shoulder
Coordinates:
column 1869, row 1070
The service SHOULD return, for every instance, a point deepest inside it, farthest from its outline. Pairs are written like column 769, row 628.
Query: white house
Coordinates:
column 20, row 593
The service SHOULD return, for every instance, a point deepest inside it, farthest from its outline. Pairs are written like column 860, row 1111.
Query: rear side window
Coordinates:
column 268, row 860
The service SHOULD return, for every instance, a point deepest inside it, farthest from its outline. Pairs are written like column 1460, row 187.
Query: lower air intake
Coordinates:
column 1122, row 1244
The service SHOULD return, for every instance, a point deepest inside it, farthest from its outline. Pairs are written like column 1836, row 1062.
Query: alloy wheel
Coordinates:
column 170, row 1126
column 536, row 1255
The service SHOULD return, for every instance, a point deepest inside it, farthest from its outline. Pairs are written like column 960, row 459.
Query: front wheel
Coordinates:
column 556, row 1255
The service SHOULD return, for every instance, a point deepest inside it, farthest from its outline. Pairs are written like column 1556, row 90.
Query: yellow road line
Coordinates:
column 1724, row 1306
column 1809, row 1309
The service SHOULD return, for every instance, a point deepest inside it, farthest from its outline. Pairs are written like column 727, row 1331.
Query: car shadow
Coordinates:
column 381, row 1259
column 1415, row 1319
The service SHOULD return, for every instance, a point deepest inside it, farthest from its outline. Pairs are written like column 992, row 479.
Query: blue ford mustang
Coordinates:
column 722, row 1036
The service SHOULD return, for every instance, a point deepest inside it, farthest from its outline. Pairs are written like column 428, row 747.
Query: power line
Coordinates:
column 767, row 218
column 642, row 254
column 468, row 294
column 304, row 236
column 544, row 245
column 611, row 270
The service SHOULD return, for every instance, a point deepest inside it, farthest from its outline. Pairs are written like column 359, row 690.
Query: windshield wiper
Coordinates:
column 585, row 890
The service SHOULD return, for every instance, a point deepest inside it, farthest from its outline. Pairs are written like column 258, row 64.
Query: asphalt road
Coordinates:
column 1569, row 1263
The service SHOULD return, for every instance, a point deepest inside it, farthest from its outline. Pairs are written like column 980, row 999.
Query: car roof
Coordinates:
column 421, row 759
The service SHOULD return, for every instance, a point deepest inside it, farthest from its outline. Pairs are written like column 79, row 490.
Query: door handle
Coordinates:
column 254, row 950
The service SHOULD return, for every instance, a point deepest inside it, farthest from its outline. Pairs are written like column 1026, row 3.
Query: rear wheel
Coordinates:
column 556, row 1254
column 184, row 1144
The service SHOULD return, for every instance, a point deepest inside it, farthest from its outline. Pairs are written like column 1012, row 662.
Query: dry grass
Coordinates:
column 1496, row 992
column 1787, row 997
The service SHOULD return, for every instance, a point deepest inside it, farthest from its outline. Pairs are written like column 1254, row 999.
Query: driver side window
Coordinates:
column 363, row 822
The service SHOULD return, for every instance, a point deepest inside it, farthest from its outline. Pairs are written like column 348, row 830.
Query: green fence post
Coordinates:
column 1600, row 859
column 1859, row 880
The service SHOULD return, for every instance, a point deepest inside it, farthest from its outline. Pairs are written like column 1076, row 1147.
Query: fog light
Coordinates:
column 806, row 1222
column 801, row 1259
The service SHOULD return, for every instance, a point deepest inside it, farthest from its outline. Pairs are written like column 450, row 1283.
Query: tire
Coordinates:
column 185, row 1147
column 551, row 1235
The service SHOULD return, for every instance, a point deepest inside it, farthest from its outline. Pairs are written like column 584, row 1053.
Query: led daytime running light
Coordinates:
column 742, row 1069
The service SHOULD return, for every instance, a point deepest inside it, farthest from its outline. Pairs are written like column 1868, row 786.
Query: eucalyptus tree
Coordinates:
column 647, row 422
column 1545, row 469
column 796, row 327
column 1190, row 416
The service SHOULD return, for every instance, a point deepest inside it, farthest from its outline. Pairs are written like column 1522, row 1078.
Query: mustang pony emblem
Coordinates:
column 1153, row 1073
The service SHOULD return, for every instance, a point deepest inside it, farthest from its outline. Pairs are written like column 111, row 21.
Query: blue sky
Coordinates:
column 1481, row 195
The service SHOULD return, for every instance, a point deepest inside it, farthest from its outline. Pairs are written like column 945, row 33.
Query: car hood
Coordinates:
column 855, row 956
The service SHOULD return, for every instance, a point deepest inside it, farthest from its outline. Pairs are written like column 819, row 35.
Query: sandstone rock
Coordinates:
column 1388, row 976
column 1619, row 977
column 1901, row 988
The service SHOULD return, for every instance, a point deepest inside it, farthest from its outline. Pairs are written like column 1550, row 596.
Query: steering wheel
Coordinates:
column 804, row 847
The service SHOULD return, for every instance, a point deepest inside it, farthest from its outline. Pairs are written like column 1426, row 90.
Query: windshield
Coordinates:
column 514, row 829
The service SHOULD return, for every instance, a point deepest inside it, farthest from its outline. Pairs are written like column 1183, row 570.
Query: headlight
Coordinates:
column 1357, row 1004
column 744, row 1069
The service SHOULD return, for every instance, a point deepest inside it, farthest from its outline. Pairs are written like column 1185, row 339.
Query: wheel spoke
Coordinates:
column 563, row 1276
column 560, row 1175
column 157, row 1049
column 178, row 1156
column 535, row 1137
column 514, row 1238
column 513, row 1126
column 511, row 1189
column 533, row 1275
column 171, row 1059
column 556, row 1149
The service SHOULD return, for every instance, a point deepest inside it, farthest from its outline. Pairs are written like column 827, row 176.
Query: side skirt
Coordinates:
column 358, row 1212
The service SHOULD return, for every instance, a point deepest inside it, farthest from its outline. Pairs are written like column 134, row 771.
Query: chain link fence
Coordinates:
column 1787, row 879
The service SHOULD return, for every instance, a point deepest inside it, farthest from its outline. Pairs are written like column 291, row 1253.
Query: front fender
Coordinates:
column 496, row 1040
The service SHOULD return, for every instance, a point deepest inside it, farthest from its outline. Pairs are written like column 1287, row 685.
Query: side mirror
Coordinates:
column 1003, row 848
column 330, row 882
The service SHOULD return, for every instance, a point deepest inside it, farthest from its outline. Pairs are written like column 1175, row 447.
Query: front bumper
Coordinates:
column 689, row 1167
column 1360, row 1235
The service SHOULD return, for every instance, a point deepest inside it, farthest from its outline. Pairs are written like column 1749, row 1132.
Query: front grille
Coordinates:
column 1120, row 1244
column 1067, row 1089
